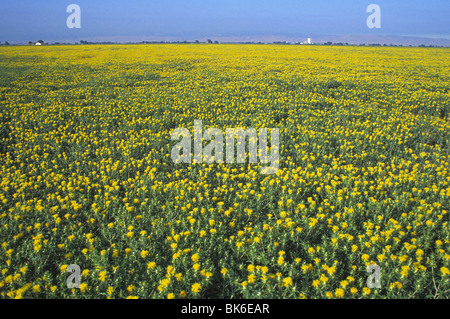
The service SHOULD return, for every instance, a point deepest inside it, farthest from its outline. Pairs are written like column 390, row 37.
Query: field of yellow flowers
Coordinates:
column 87, row 178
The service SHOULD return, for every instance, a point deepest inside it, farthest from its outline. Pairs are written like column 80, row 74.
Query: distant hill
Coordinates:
column 389, row 39
column 350, row 39
column 271, row 38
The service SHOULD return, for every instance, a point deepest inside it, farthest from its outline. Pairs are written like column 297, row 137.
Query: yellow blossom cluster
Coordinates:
column 87, row 177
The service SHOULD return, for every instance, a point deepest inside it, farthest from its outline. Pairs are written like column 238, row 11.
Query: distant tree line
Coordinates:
column 209, row 41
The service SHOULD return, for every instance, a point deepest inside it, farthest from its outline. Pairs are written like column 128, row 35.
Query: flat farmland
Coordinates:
column 87, row 176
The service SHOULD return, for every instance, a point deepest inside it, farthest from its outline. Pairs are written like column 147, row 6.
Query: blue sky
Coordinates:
column 24, row 20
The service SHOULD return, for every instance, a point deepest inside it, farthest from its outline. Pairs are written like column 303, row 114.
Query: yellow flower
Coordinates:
column 110, row 290
column 170, row 269
column 151, row 265
column 287, row 282
column 83, row 287
column 196, row 288
column 307, row 267
column 396, row 284
column 405, row 270
column 339, row 293
column 195, row 257
column 445, row 270
column 331, row 270
column 102, row 276
column 170, row 296
column 224, row 271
